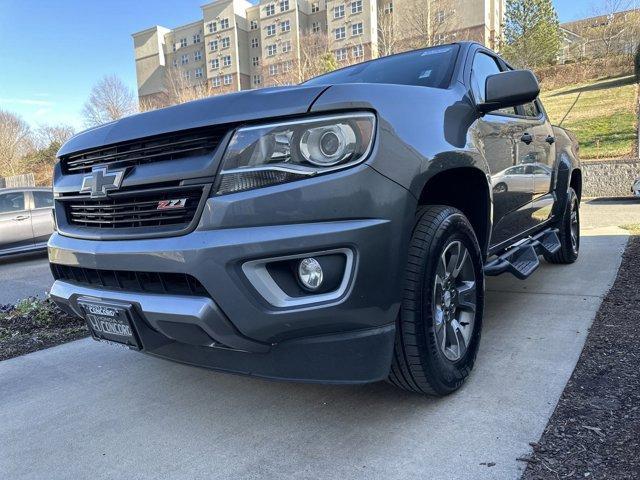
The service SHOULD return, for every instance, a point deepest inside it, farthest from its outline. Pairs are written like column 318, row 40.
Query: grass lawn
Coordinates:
column 604, row 117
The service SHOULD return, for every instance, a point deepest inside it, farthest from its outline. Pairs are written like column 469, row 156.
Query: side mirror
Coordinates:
column 509, row 89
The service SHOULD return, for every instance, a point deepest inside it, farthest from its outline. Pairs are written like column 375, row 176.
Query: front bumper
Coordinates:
column 344, row 339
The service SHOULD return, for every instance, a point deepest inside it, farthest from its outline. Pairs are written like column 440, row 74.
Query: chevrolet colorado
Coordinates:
column 335, row 231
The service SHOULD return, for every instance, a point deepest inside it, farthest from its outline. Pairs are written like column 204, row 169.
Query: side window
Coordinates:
column 484, row 66
column 11, row 202
column 530, row 109
column 42, row 199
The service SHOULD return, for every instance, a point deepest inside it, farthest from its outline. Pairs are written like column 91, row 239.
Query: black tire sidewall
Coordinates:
column 444, row 374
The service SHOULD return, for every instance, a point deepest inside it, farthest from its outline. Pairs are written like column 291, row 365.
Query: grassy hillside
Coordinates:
column 604, row 117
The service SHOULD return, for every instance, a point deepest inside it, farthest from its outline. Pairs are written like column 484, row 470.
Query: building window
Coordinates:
column 441, row 16
column 255, row 61
column 175, row 62
column 226, row 61
column 213, row 45
column 254, row 43
column 284, row 5
column 315, row 27
column 183, row 42
column 215, row 81
column 273, row 70
column 357, row 29
column 271, row 50
column 198, row 72
column 186, row 75
column 388, row 8
column 271, row 30
column 285, row 26
column 340, row 33
column 287, row 66
column 257, row 80
column 224, row 23
column 440, row 39
column 228, row 79
column 197, row 55
column 270, row 10
column 315, row 7
column 338, row 11
column 357, row 51
column 226, row 41
column 185, row 59
column 196, row 38
column 253, row 25
column 356, row 6
column 286, row 46
column 213, row 27
column 341, row 54
column 215, row 63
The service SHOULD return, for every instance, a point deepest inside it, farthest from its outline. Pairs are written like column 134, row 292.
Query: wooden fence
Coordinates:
column 26, row 180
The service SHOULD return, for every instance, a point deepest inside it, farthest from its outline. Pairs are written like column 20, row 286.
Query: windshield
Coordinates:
column 431, row 67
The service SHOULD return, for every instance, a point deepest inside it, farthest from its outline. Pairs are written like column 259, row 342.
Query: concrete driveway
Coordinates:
column 90, row 410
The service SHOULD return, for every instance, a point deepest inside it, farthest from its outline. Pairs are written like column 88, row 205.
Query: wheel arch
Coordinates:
column 467, row 189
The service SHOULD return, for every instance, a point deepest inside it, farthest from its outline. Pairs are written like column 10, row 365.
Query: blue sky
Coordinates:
column 53, row 51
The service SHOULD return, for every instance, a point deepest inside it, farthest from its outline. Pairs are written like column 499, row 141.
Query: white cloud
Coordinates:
column 26, row 101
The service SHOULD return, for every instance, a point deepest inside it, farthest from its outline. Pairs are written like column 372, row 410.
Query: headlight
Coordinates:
column 263, row 155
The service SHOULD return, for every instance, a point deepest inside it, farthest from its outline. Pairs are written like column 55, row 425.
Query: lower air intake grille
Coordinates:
column 135, row 209
column 150, row 282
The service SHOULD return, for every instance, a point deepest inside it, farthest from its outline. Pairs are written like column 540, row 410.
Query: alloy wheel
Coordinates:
column 454, row 300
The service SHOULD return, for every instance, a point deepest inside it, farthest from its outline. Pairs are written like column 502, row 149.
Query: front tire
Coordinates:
column 569, row 232
column 440, row 320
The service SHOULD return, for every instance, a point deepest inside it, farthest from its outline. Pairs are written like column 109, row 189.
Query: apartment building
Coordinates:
column 237, row 45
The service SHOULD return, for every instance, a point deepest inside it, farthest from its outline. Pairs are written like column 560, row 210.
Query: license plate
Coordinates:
column 110, row 321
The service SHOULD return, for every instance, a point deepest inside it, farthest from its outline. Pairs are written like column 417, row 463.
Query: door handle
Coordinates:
column 526, row 138
column 19, row 218
column 550, row 140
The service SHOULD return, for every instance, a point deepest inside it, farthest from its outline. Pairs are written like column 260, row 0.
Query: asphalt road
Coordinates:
column 24, row 276
column 91, row 410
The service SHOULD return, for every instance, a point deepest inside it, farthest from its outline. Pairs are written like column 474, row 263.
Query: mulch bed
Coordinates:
column 595, row 429
column 36, row 324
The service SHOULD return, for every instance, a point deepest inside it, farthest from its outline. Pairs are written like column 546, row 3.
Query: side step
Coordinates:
column 522, row 259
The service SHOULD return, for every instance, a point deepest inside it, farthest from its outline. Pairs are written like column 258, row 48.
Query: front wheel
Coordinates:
column 440, row 320
column 569, row 232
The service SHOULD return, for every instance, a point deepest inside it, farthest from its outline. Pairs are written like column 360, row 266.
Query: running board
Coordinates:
column 522, row 259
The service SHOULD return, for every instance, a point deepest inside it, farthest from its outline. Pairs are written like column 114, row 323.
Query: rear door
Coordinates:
column 539, row 155
column 15, row 220
column 41, row 216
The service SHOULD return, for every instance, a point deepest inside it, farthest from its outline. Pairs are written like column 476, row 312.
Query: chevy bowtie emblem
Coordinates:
column 100, row 182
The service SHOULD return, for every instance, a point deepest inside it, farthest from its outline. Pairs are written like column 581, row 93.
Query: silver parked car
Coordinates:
column 26, row 219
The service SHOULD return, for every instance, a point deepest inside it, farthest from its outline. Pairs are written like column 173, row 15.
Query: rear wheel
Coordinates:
column 440, row 319
column 569, row 232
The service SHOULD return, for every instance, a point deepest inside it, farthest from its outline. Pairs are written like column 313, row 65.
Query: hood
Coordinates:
column 232, row 108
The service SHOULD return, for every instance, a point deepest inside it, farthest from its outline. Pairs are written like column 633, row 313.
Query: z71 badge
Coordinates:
column 171, row 204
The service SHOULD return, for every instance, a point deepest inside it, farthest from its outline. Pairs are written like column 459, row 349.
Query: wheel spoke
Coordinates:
column 461, row 341
column 463, row 259
column 453, row 259
column 467, row 296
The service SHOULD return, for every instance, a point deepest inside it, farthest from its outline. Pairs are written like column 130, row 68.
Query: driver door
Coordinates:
column 15, row 220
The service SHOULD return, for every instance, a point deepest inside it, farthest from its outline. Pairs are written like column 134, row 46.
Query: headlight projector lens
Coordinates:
column 310, row 273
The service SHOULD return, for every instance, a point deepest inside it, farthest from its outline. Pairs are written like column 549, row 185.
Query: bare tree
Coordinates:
column 388, row 31
column 15, row 142
column 616, row 25
column 46, row 135
column 110, row 99
column 315, row 59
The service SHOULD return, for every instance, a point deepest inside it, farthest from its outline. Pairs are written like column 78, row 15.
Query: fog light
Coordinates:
column 310, row 273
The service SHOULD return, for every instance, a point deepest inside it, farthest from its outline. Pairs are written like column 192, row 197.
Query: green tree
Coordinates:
column 531, row 33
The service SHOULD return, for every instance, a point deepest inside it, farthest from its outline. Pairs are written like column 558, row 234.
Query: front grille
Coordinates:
column 149, row 282
column 134, row 209
column 153, row 149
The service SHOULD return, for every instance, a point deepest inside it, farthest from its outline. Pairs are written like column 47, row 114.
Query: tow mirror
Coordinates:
column 509, row 89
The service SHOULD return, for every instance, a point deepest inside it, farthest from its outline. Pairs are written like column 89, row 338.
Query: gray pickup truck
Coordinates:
column 336, row 231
